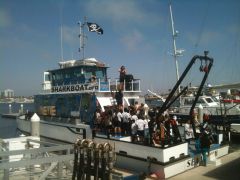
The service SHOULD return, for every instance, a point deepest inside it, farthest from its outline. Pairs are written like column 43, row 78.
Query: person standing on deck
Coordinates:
column 146, row 130
column 134, row 127
column 126, row 117
column 188, row 131
column 205, row 146
column 119, row 123
column 176, row 134
column 141, row 126
column 136, row 106
column 122, row 73
column 119, row 98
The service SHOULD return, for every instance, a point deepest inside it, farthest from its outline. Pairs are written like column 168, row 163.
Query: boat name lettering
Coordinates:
column 77, row 87
column 193, row 162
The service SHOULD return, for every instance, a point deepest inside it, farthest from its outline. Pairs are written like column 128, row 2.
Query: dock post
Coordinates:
column 10, row 108
column 35, row 125
column 200, row 114
column 21, row 109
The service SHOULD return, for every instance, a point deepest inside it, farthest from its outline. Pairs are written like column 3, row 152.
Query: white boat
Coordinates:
column 211, row 106
column 67, row 106
column 67, row 114
column 70, row 96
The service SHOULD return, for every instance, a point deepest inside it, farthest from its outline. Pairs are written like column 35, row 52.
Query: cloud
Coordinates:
column 5, row 19
column 133, row 40
column 123, row 13
column 115, row 10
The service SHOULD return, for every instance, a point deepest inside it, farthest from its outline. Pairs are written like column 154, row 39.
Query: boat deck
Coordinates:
column 228, row 169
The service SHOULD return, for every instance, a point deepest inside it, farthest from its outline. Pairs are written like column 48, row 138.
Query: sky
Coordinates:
column 137, row 34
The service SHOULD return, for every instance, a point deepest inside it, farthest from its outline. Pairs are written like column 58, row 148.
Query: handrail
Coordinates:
column 96, row 86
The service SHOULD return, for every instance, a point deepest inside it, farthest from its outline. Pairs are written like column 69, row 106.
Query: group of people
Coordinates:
column 143, row 127
column 203, row 139
column 136, row 122
column 118, row 121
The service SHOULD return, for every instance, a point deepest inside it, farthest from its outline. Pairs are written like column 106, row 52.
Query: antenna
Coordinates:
column 82, row 37
column 61, row 43
column 176, row 52
column 61, row 31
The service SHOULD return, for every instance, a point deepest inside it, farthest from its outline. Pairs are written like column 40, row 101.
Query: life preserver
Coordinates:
column 205, row 117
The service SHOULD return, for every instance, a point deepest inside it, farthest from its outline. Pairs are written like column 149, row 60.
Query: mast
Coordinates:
column 176, row 52
column 61, row 44
column 82, row 38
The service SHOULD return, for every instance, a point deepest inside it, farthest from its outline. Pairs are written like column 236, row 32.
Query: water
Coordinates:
column 8, row 126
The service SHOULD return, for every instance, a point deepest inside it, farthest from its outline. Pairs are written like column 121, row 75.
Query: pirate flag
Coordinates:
column 93, row 27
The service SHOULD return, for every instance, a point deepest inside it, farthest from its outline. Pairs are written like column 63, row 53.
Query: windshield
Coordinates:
column 209, row 100
column 215, row 99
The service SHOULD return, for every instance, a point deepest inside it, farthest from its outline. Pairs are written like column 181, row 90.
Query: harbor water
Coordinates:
column 8, row 126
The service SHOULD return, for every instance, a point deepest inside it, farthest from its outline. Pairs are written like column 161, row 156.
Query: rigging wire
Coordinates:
column 234, row 52
column 191, row 76
column 202, row 28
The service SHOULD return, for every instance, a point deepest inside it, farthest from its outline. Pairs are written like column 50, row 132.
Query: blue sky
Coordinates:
column 137, row 34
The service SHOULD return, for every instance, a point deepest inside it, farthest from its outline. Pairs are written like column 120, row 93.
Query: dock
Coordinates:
column 228, row 169
column 29, row 158
column 10, row 115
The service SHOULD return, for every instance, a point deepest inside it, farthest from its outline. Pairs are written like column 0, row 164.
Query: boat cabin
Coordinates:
column 205, row 101
column 78, row 87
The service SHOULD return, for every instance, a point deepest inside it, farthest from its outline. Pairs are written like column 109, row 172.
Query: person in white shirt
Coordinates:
column 134, row 129
column 146, row 130
column 126, row 117
column 188, row 131
column 141, row 126
column 118, row 122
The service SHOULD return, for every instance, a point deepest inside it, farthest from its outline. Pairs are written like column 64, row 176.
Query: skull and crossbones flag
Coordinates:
column 93, row 27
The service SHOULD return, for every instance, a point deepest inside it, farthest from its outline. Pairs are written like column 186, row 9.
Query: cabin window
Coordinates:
column 209, row 100
column 59, row 76
column 77, row 73
column 215, row 99
column 53, row 76
column 99, row 74
column 47, row 77
column 188, row 101
column 200, row 101
column 67, row 75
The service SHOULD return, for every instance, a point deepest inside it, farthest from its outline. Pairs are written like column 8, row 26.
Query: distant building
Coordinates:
column 8, row 93
column 2, row 94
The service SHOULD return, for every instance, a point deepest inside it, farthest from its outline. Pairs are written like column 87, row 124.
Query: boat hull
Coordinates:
column 159, row 162
column 66, row 133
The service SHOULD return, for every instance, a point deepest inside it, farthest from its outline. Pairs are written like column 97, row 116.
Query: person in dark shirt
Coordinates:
column 176, row 134
column 205, row 146
column 122, row 73
column 119, row 98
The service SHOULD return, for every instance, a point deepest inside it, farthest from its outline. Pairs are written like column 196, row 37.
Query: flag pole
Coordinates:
column 81, row 37
column 61, row 31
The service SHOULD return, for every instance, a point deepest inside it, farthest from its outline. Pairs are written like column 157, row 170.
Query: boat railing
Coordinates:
column 99, row 85
column 128, row 86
